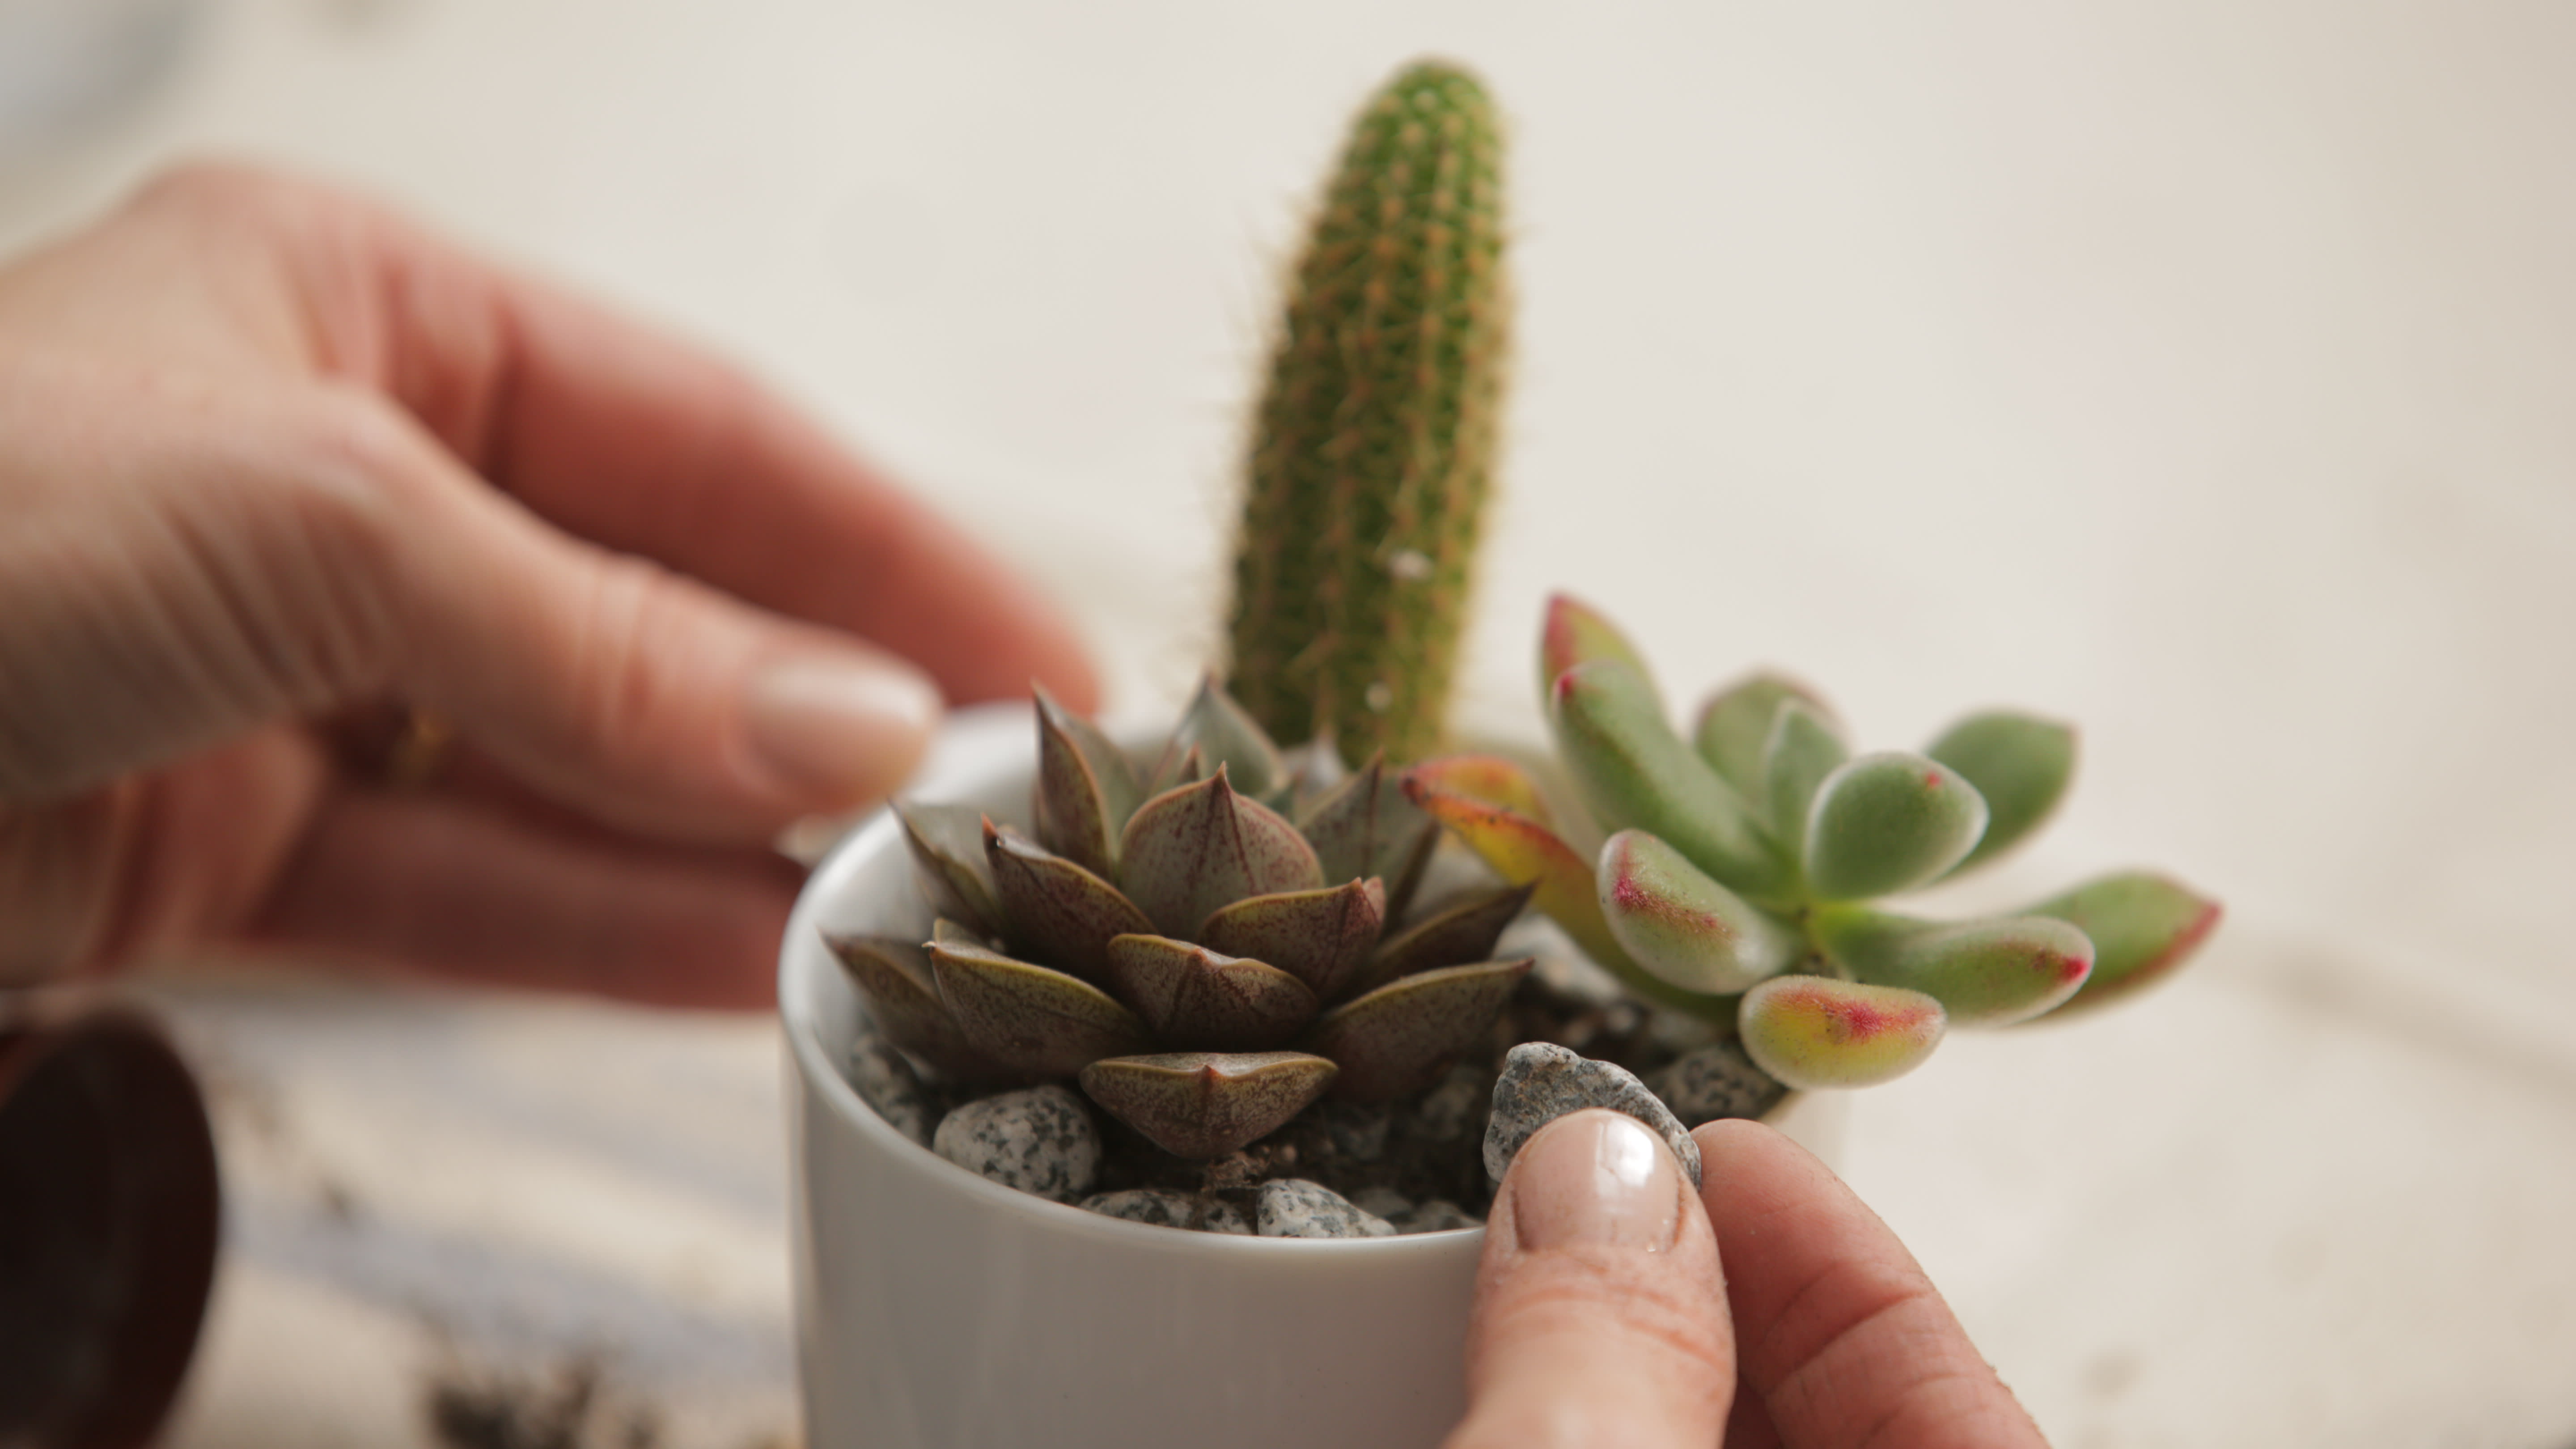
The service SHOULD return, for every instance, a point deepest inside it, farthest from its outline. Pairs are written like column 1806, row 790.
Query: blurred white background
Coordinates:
column 2198, row 371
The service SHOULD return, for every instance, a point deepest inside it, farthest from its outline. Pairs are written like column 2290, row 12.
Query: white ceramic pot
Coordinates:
column 939, row 1310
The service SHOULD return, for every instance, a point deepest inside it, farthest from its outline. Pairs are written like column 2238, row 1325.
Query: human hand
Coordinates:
column 1604, row 1321
column 278, row 467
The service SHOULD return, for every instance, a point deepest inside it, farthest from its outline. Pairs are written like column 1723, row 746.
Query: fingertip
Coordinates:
column 837, row 728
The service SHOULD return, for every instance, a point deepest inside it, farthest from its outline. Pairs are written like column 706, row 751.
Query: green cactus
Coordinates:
column 1373, row 445
column 1737, row 883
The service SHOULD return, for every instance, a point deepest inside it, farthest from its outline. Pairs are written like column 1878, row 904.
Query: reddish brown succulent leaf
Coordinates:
column 1400, row 1037
column 1058, row 911
column 1465, row 931
column 894, row 975
column 1200, row 846
column 1321, row 937
column 1188, row 995
column 947, row 843
column 1206, row 1104
column 1365, row 826
column 1086, row 789
column 1039, row 1022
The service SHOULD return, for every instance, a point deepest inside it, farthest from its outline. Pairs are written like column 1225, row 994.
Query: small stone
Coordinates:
column 1718, row 1080
column 1166, row 1208
column 1449, row 1111
column 1438, row 1216
column 1040, row 1141
column 1542, row 1082
column 1292, row 1207
column 885, row 1080
column 1381, row 1201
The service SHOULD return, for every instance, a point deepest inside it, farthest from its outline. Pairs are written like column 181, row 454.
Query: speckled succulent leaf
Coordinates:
column 1682, row 926
column 2143, row 927
column 945, row 932
column 1206, row 1104
column 1816, row 1033
column 1186, row 993
column 1402, row 1036
column 1463, row 930
column 1321, row 937
column 1086, row 789
column 1173, row 771
column 1219, row 730
column 1735, row 726
column 1802, row 751
column 2020, row 763
column 1490, row 778
column 1058, row 912
column 1033, row 1020
column 1574, row 632
column 894, row 975
column 947, row 843
column 1193, row 849
column 1888, row 822
column 1636, row 773
column 1366, row 827
column 1524, row 852
column 1989, row 972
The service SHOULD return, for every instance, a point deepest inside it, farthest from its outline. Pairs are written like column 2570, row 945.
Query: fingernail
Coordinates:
column 842, row 725
column 1596, row 1179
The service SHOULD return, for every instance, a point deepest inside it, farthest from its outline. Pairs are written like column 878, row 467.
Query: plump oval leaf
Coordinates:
column 1681, row 925
column 1638, row 775
column 1816, row 1033
column 2143, row 927
column 1196, row 847
column 1576, row 633
column 1990, row 972
column 947, row 843
column 1321, row 937
column 1888, row 822
column 1735, row 725
column 894, row 975
column 1222, row 733
column 1493, row 779
column 1086, row 788
column 1462, row 932
column 1058, row 912
column 1038, row 1022
column 1402, row 1036
column 1201, row 1105
column 1364, row 826
column 1802, row 751
column 2020, row 763
column 1188, row 995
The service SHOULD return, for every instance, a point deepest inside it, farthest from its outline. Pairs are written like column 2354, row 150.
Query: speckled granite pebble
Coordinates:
column 885, row 1080
column 1542, row 1082
column 1164, row 1207
column 1040, row 1141
column 1438, row 1216
column 1292, row 1207
column 1718, row 1080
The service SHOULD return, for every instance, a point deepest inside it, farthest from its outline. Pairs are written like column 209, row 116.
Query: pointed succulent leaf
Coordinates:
column 1989, row 972
column 1816, row 1033
column 1059, row 913
column 2142, row 925
column 947, row 843
column 1524, row 852
column 1402, row 1036
column 1173, row 771
column 1490, row 778
column 1192, row 849
column 1221, row 733
column 1802, row 751
column 1321, row 937
column 894, row 975
column 1735, row 725
column 1463, row 931
column 1679, row 924
column 945, row 932
column 1637, row 774
column 1086, row 788
column 2020, row 763
column 1576, row 633
column 1888, row 822
column 1366, row 827
column 1201, row 1105
column 1186, row 993
column 1035, row 1021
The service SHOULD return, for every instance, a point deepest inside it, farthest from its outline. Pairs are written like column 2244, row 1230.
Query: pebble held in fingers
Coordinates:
column 1542, row 1082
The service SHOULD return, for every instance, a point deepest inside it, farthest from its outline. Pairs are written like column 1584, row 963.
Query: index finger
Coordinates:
column 1837, row 1329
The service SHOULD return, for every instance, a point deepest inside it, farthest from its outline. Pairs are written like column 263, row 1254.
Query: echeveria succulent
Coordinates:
column 1743, row 867
column 1206, row 947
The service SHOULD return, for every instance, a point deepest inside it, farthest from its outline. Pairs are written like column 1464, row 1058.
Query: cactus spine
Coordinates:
column 1373, row 446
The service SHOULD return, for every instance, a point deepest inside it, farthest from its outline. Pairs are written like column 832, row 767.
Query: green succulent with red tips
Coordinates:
column 1744, row 865
column 1206, row 946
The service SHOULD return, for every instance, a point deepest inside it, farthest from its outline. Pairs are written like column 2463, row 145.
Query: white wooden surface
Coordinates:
column 2197, row 370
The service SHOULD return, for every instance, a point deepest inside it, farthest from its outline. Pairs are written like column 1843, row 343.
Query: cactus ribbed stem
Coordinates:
column 1373, row 447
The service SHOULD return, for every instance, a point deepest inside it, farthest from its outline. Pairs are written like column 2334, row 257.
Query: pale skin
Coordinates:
column 281, row 469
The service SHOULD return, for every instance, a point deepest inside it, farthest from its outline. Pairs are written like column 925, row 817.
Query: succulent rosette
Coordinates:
column 1743, row 867
column 1206, row 947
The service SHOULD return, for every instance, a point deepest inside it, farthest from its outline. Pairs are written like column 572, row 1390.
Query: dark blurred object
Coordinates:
column 109, row 1207
column 69, row 65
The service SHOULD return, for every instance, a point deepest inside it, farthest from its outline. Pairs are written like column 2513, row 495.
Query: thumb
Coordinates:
column 1601, row 1318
